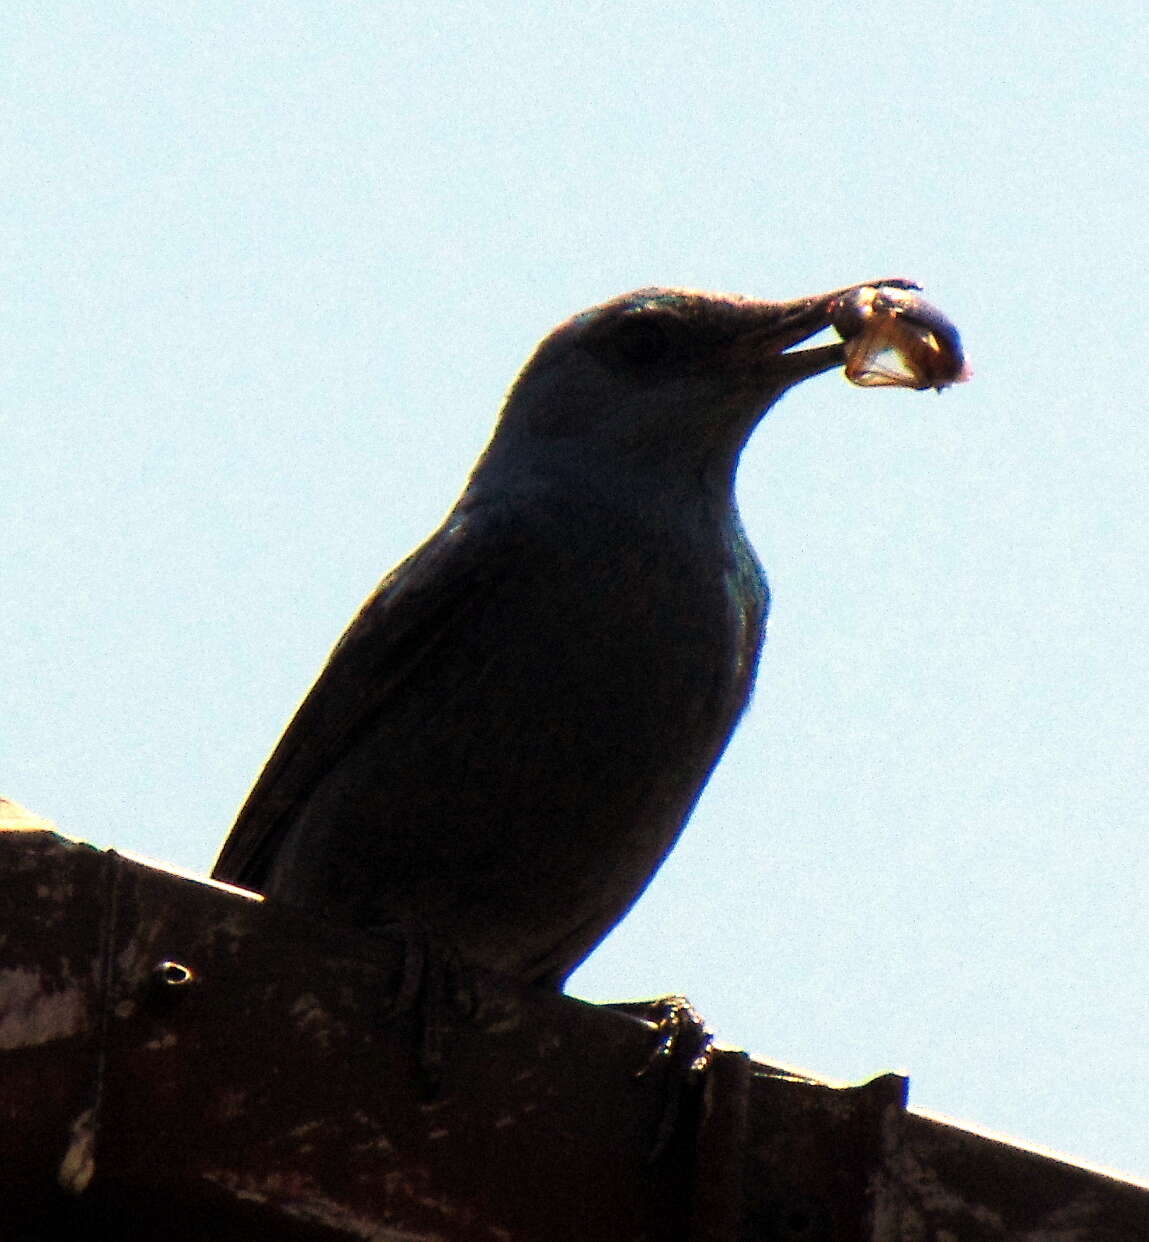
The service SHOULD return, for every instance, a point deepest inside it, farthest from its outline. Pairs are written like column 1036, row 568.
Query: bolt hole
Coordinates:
column 171, row 974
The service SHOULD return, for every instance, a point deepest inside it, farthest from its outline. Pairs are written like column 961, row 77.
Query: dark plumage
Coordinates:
column 508, row 739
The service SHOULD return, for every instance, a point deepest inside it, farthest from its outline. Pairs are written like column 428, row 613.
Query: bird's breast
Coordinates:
column 642, row 622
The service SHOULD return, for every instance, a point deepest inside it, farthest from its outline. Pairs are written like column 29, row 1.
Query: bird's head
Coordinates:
column 667, row 376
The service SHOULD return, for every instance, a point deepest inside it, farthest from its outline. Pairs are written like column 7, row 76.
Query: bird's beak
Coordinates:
column 786, row 324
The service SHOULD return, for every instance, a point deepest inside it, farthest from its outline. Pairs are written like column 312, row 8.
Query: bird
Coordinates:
column 510, row 736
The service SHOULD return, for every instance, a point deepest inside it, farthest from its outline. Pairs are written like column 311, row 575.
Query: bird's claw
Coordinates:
column 684, row 1039
column 682, row 1051
column 433, row 986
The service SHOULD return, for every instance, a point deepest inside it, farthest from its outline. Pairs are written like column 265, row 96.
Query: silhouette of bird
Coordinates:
column 509, row 737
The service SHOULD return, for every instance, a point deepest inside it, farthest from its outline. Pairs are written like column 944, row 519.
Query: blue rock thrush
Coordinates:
column 509, row 738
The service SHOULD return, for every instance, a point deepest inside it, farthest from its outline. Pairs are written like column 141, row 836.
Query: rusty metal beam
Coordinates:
column 180, row 1060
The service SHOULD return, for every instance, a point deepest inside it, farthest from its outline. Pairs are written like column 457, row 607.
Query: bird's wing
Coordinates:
column 404, row 623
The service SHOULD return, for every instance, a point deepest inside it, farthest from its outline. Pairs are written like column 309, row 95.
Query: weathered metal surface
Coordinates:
column 51, row 938
column 270, row 1090
column 182, row 1061
column 955, row 1184
column 816, row 1157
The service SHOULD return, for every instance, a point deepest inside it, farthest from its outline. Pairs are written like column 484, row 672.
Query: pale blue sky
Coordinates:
column 269, row 269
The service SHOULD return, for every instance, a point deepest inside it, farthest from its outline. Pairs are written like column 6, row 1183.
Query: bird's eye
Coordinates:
column 641, row 338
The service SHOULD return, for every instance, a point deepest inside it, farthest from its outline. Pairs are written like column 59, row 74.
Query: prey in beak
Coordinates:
column 890, row 337
column 893, row 338
column 793, row 323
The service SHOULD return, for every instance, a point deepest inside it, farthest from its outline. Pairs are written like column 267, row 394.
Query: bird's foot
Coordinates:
column 440, row 990
column 682, row 1051
column 683, row 1036
column 432, row 988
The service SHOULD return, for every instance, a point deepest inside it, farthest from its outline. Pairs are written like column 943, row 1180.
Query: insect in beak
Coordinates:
column 895, row 338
